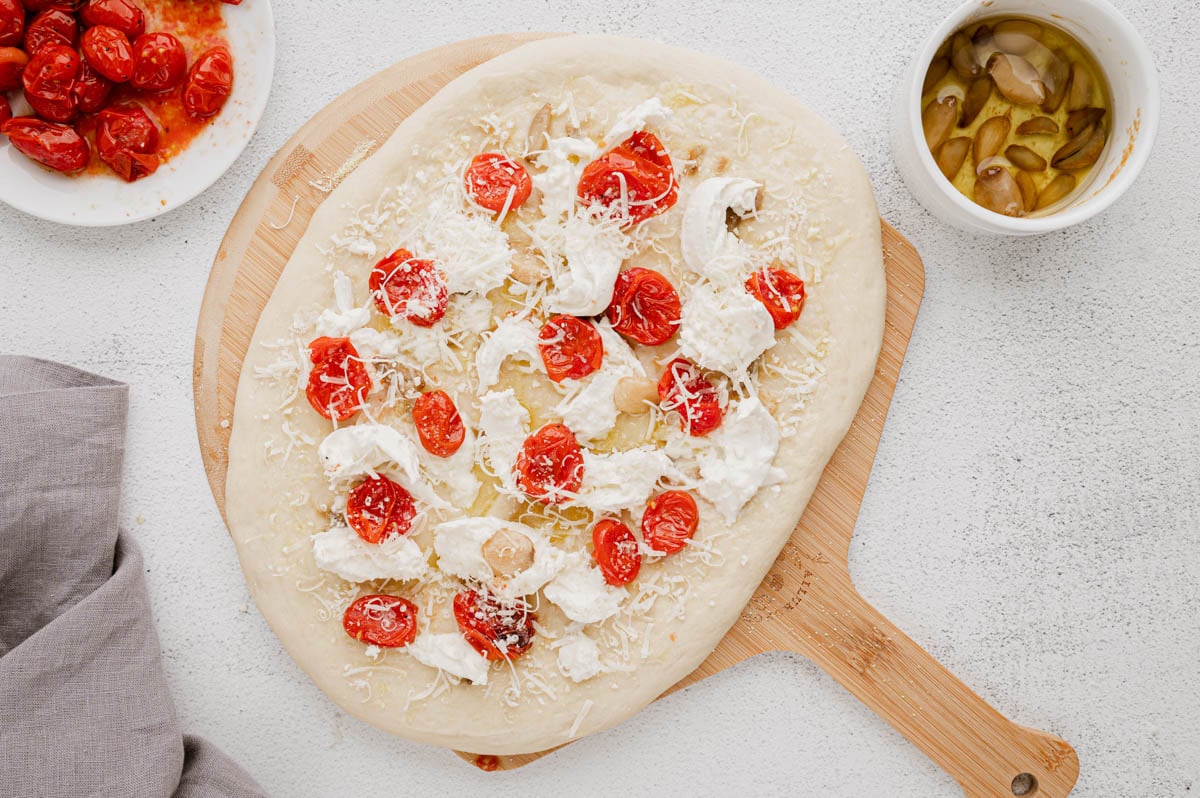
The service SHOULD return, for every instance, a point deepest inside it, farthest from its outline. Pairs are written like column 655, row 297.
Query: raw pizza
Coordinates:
column 547, row 385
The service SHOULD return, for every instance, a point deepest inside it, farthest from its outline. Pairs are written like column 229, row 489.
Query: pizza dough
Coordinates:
column 817, row 215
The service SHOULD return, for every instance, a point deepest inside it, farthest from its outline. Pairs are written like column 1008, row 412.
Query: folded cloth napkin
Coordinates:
column 84, row 706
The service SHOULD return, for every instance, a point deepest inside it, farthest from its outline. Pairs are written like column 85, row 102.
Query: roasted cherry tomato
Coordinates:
column 780, row 291
column 381, row 620
column 52, row 26
column 5, row 110
column 616, row 551
column 670, row 521
column 378, row 508
column 51, row 144
column 409, row 288
column 109, row 52
column 645, row 307
column 209, row 83
column 64, row 5
column 12, row 23
column 495, row 182
column 48, row 81
column 570, row 348
column 683, row 388
column 91, row 89
column 159, row 62
column 120, row 14
column 635, row 178
column 12, row 64
column 496, row 628
column 127, row 140
column 338, row 383
column 439, row 426
column 549, row 466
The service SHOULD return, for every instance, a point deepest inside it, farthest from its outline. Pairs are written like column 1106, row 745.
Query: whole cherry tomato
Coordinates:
column 635, row 177
column 52, row 26
column 338, row 383
column 378, row 508
column 12, row 64
column 616, row 551
column 91, row 89
column 381, row 620
column 409, row 288
column 63, row 5
column 51, row 144
column 549, row 467
column 495, row 628
column 12, row 23
column 160, row 62
column 570, row 347
column 439, row 426
column 683, row 388
column 127, row 140
column 780, row 291
column 670, row 521
column 5, row 110
column 120, row 14
column 495, row 181
column 645, row 307
column 48, row 81
column 209, row 83
column 109, row 52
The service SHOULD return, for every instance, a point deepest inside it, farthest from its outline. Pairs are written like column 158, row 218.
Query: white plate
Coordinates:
column 105, row 200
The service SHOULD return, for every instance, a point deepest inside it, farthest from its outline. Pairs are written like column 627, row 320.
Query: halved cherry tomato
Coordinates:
column 52, row 26
column 91, row 89
column 616, row 551
column 645, row 307
column 636, row 176
column 48, row 80
column 550, row 465
column 670, row 521
column 209, row 83
column 127, row 140
column 495, row 181
column 12, row 23
column 780, row 291
column 378, row 508
column 5, row 110
column 683, row 388
column 495, row 628
column 53, row 145
column 409, row 288
column 439, row 426
column 109, row 52
column 120, row 14
column 381, row 620
column 338, row 383
column 160, row 62
column 570, row 348
column 12, row 64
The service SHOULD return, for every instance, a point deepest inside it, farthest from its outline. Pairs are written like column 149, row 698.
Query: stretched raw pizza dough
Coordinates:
column 818, row 210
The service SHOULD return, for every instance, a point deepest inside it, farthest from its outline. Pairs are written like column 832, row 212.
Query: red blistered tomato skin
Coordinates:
column 12, row 65
column 52, row 26
column 645, row 307
column 41, row 5
column 492, row 178
column 780, row 291
column 684, row 389
column 160, row 62
column 53, row 145
column 492, row 630
column 642, row 168
column 570, row 347
column 12, row 23
column 439, row 426
column 670, row 521
column 48, row 81
column 5, row 110
column 616, row 552
column 549, row 467
column 338, row 383
column 109, row 52
column 209, row 83
column 120, row 14
column 127, row 140
column 409, row 288
column 91, row 89
column 378, row 508
column 381, row 620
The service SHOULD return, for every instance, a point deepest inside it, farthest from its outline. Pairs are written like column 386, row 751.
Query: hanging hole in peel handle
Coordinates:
column 1024, row 784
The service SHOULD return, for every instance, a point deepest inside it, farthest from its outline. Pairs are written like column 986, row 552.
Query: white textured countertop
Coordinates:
column 1033, row 514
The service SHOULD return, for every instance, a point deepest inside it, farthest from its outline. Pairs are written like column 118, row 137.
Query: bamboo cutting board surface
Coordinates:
column 807, row 603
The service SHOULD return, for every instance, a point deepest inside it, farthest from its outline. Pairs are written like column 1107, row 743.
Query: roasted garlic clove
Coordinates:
column 1081, row 119
column 997, row 190
column 937, row 70
column 1081, row 151
column 990, row 137
column 938, row 119
column 634, row 395
column 1029, row 192
column 539, row 131
column 1055, row 78
column 508, row 552
column 1055, row 191
column 1024, row 158
column 1017, row 36
column 951, row 154
column 1079, row 94
column 977, row 96
column 1017, row 79
column 962, row 57
column 1037, row 126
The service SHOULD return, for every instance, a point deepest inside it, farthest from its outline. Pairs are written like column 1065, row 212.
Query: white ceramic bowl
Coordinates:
column 1126, row 62
column 104, row 200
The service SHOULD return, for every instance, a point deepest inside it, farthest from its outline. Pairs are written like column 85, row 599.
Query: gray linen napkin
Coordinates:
column 84, row 706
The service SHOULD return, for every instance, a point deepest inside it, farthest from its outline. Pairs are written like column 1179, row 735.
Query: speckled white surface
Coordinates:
column 1032, row 518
